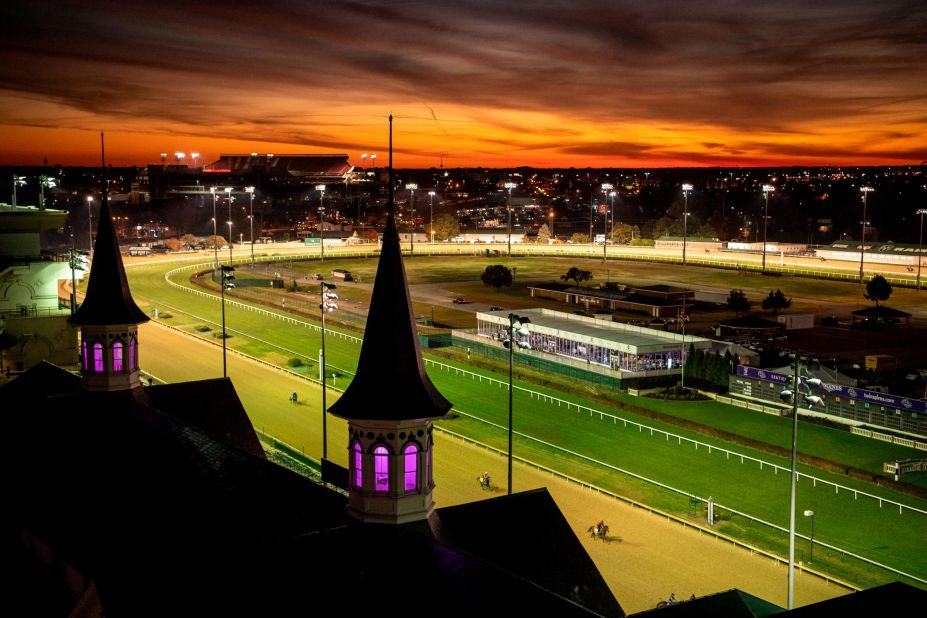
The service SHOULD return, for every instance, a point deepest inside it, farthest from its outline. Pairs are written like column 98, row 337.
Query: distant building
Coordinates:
column 32, row 284
column 875, row 252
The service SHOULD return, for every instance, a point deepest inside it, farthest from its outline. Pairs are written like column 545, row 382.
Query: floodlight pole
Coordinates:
column 792, row 479
column 767, row 189
column 322, row 306
column 920, row 247
column 222, row 275
column 511, row 361
column 508, row 214
column 862, row 245
column 685, row 220
column 411, row 187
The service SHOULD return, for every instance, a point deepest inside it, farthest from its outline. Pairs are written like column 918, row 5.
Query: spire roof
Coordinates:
column 108, row 299
column 391, row 383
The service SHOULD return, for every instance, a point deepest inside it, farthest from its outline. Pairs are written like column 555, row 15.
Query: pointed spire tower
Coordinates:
column 391, row 403
column 108, row 318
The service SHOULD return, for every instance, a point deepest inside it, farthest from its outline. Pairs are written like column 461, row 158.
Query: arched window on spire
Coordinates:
column 84, row 357
column 133, row 354
column 98, row 366
column 358, row 465
column 410, row 468
column 119, row 350
column 381, row 469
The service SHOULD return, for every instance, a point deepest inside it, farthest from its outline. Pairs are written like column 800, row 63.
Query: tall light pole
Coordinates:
column 411, row 187
column 321, row 190
column 215, row 245
column 686, row 188
column 810, row 513
column 326, row 306
column 195, row 156
column 508, row 216
column 552, row 225
column 431, row 215
column 920, row 246
column 767, row 189
column 225, row 276
column 228, row 193
column 606, row 189
column 520, row 321
column 862, row 245
column 178, row 157
column 18, row 181
column 90, row 223
column 45, row 181
column 792, row 395
column 250, row 191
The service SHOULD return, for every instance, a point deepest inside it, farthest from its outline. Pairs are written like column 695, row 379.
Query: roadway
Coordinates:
column 647, row 557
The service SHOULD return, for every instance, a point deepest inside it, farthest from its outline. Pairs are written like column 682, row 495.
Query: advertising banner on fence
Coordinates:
column 882, row 399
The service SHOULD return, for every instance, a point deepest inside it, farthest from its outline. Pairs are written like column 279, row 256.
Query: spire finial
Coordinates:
column 390, row 207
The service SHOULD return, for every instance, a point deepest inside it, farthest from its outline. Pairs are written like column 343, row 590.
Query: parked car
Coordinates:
column 496, row 308
column 459, row 301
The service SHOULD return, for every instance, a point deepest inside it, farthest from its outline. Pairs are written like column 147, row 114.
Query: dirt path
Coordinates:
column 649, row 558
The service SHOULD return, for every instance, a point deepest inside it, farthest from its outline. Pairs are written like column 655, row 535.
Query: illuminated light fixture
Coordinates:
column 767, row 189
column 686, row 188
column 862, row 244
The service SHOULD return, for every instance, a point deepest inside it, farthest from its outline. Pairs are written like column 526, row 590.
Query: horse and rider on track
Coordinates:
column 599, row 530
column 484, row 481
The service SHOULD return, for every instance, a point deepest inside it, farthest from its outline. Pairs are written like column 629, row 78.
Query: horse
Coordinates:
column 597, row 531
column 484, row 481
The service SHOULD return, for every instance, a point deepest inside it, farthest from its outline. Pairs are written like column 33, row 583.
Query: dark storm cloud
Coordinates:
column 737, row 66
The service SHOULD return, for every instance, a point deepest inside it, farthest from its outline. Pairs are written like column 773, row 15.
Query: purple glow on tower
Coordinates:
column 410, row 482
column 118, row 356
column 132, row 354
column 98, row 357
column 85, row 360
column 381, row 469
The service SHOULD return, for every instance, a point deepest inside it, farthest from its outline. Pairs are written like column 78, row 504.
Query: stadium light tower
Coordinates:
column 195, row 156
column 607, row 190
column 920, row 246
column 411, row 187
column 431, row 215
column 90, row 223
column 517, row 325
column 326, row 306
column 321, row 190
column 862, row 245
column 215, row 245
column 228, row 193
column 250, row 191
column 686, row 188
column 18, row 181
column 508, row 216
column 791, row 395
column 767, row 189
column 178, row 157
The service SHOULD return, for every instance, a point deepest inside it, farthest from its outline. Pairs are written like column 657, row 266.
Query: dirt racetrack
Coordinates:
column 648, row 557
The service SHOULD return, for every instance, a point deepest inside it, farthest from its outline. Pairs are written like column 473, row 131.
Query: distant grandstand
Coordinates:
column 322, row 168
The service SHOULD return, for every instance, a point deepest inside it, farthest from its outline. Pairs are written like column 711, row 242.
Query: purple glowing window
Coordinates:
column 132, row 354
column 98, row 357
column 358, row 466
column 118, row 356
column 410, row 480
column 85, row 360
column 381, row 469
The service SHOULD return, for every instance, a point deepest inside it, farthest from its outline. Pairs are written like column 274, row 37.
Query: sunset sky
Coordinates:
column 481, row 83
